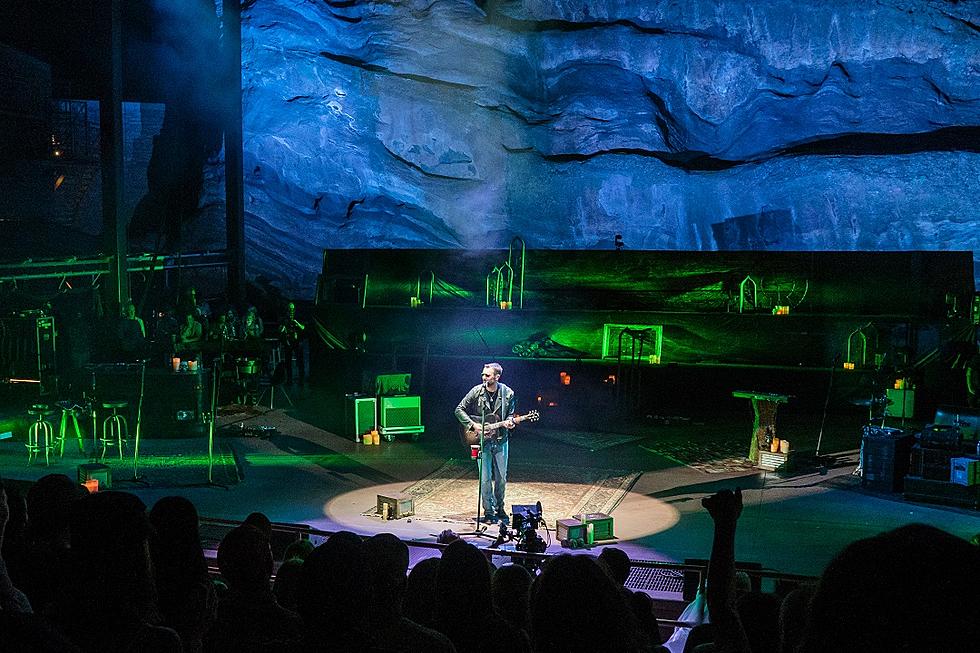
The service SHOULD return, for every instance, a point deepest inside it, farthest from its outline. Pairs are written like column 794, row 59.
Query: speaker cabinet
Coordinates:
column 401, row 415
column 886, row 459
column 29, row 352
column 361, row 415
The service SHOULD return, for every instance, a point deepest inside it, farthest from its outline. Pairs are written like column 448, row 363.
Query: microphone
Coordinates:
column 537, row 507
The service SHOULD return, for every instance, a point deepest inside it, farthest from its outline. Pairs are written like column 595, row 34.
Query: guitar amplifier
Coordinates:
column 401, row 415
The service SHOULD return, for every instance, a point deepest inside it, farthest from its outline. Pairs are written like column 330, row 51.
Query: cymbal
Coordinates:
column 871, row 401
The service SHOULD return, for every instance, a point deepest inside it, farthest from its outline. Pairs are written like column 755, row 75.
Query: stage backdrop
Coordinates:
column 701, row 125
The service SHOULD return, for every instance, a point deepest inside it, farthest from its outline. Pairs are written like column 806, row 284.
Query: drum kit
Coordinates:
column 876, row 404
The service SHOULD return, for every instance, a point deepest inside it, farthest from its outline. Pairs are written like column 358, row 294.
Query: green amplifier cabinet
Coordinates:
column 401, row 415
column 602, row 525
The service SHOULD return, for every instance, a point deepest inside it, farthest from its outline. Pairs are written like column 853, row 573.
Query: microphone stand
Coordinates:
column 822, row 467
column 210, row 417
column 826, row 404
column 139, row 418
column 479, row 530
column 95, row 424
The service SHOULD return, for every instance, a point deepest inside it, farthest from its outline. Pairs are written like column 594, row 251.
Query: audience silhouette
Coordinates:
column 387, row 557
column 618, row 564
column 99, row 573
column 509, row 589
column 248, row 614
column 185, row 593
column 109, row 602
column 464, row 610
column 576, row 606
column 910, row 589
column 418, row 604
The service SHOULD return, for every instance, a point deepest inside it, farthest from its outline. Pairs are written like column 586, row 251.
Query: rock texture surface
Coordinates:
column 703, row 125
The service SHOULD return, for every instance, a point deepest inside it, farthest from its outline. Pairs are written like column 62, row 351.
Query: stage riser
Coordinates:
column 880, row 283
column 726, row 339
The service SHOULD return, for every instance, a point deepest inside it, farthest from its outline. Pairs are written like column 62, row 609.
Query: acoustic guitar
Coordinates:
column 491, row 430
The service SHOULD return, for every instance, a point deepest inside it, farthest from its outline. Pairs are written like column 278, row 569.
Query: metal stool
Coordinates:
column 41, row 428
column 115, row 428
column 248, row 370
column 68, row 409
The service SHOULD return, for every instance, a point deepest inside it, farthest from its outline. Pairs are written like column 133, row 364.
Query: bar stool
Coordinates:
column 68, row 412
column 40, row 429
column 115, row 428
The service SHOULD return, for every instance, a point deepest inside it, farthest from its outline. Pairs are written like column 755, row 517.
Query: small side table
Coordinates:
column 764, row 405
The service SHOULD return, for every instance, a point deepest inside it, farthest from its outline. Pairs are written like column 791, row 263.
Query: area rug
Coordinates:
column 716, row 456
column 591, row 441
column 449, row 494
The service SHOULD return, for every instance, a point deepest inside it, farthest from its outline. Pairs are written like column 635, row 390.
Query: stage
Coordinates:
column 291, row 466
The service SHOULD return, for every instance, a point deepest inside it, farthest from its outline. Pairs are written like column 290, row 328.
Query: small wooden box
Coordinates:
column 97, row 471
column 573, row 529
column 570, row 529
column 399, row 505
column 773, row 461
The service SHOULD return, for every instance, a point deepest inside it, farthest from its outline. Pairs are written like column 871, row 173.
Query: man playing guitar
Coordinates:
column 493, row 402
column 291, row 333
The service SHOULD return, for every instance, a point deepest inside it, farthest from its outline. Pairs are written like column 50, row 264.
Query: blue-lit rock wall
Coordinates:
column 703, row 125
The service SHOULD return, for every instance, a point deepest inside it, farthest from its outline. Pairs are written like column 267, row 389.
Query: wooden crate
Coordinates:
column 399, row 505
column 773, row 461
column 572, row 529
